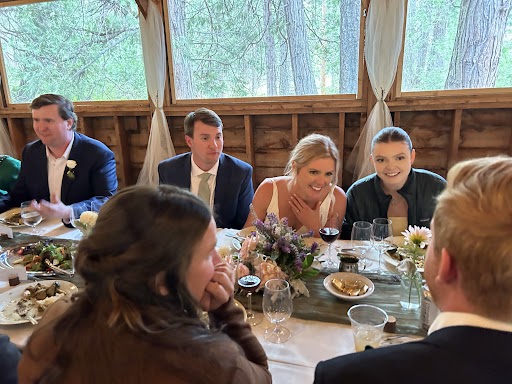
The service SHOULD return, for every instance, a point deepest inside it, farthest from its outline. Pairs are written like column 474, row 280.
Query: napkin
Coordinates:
column 6, row 231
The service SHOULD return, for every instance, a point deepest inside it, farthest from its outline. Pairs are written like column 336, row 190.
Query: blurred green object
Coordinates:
column 9, row 170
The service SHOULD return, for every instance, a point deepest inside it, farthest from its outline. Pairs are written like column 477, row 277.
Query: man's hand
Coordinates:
column 53, row 209
column 220, row 288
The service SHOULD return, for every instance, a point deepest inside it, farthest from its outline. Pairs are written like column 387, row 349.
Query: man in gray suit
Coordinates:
column 223, row 181
column 469, row 272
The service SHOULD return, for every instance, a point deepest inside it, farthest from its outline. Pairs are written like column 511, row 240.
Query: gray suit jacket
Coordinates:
column 233, row 188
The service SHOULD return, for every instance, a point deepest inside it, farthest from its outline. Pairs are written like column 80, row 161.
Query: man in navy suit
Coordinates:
column 62, row 168
column 229, row 189
column 469, row 272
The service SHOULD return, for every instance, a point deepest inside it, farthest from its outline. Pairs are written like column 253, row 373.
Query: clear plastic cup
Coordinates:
column 367, row 325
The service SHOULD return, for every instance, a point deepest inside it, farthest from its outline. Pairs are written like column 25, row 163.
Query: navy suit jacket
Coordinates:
column 459, row 354
column 95, row 175
column 9, row 359
column 233, row 187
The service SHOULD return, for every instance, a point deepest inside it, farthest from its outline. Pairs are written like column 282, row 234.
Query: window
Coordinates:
column 255, row 48
column 457, row 44
column 84, row 50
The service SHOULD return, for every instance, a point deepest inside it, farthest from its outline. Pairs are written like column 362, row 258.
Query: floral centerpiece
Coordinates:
column 86, row 221
column 275, row 250
column 416, row 240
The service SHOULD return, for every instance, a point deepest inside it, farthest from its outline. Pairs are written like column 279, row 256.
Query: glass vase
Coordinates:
column 410, row 291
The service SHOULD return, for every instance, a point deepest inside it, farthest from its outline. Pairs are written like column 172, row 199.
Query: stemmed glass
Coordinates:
column 30, row 216
column 329, row 233
column 277, row 307
column 249, row 284
column 76, row 210
column 382, row 236
column 361, row 238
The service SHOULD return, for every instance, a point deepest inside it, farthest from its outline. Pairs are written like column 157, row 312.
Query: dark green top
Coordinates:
column 9, row 170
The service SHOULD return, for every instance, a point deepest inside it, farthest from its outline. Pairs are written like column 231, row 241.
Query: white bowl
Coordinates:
column 348, row 277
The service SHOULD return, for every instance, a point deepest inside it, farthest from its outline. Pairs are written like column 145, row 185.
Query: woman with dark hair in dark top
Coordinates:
column 405, row 195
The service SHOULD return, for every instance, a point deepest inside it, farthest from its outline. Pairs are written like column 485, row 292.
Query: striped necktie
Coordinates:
column 204, row 191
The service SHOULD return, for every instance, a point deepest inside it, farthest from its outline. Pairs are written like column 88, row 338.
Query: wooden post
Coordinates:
column 124, row 161
column 454, row 138
column 18, row 137
column 249, row 144
column 295, row 129
column 341, row 144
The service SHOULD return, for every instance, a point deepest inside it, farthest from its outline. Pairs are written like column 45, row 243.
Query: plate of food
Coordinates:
column 12, row 218
column 349, row 286
column 395, row 257
column 28, row 302
column 34, row 256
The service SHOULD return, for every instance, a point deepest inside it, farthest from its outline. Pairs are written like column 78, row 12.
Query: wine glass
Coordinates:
column 76, row 211
column 382, row 238
column 329, row 233
column 30, row 216
column 277, row 307
column 361, row 238
column 249, row 284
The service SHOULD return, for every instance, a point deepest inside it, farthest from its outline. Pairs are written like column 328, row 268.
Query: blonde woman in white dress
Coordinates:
column 307, row 195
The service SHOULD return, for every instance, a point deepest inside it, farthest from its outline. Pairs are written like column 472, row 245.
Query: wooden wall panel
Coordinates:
column 352, row 130
column 483, row 132
column 465, row 154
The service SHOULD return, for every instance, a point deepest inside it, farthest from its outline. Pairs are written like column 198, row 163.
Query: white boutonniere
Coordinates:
column 70, row 166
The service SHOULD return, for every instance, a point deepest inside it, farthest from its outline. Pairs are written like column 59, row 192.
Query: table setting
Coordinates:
column 318, row 325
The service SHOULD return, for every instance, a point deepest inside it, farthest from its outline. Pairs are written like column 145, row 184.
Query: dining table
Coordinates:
column 319, row 323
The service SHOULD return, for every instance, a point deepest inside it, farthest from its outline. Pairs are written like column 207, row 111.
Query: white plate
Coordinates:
column 394, row 262
column 9, row 256
column 8, row 214
column 348, row 277
column 246, row 231
column 398, row 240
column 16, row 293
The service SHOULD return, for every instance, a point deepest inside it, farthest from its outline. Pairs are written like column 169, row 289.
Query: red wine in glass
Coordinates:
column 329, row 234
column 250, row 284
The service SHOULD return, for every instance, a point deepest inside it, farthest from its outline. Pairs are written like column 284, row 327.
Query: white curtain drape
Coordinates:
column 5, row 141
column 160, row 145
column 383, row 42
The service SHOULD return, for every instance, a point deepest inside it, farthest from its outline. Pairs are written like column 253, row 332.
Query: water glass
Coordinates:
column 367, row 323
column 30, row 216
column 361, row 238
column 277, row 307
column 382, row 238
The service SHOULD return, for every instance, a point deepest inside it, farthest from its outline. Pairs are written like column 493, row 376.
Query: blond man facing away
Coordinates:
column 469, row 272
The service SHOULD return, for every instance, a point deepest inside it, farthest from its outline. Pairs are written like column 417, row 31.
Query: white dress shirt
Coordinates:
column 195, row 171
column 56, row 169
column 454, row 319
